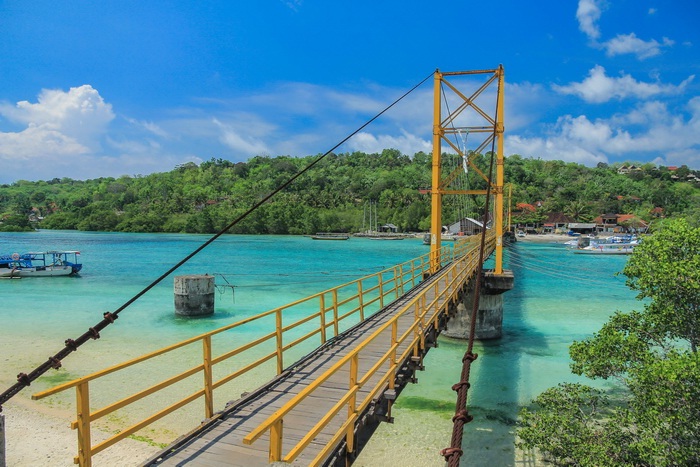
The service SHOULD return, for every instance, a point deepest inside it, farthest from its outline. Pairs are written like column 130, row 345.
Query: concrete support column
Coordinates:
column 194, row 295
column 489, row 317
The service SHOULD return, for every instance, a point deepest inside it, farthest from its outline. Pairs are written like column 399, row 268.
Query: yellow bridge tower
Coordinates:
column 492, row 126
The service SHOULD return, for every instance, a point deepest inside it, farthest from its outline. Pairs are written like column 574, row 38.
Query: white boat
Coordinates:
column 40, row 264
column 619, row 245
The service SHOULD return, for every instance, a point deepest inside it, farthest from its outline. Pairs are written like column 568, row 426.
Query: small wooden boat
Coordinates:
column 330, row 236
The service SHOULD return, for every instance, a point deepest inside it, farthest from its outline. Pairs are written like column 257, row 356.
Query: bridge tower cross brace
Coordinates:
column 442, row 128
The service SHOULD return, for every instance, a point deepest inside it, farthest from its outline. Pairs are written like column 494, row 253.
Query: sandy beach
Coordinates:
column 37, row 435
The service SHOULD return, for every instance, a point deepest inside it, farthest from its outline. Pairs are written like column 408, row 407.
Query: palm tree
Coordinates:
column 579, row 210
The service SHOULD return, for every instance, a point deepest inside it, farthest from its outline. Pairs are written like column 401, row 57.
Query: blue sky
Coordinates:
column 111, row 88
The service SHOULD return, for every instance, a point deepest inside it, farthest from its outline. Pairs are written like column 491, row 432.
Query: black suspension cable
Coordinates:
column 454, row 452
column 24, row 379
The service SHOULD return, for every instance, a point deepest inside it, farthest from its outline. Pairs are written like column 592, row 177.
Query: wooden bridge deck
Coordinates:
column 220, row 440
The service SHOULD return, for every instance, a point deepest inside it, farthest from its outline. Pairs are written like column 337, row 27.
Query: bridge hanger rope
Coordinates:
column 454, row 452
column 24, row 379
column 464, row 206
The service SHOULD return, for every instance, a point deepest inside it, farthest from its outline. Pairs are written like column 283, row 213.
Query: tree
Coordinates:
column 652, row 354
column 579, row 210
column 666, row 269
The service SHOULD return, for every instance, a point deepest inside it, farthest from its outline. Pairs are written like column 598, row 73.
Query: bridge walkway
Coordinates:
column 221, row 440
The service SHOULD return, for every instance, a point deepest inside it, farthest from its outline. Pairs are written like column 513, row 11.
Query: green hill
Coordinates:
column 332, row 196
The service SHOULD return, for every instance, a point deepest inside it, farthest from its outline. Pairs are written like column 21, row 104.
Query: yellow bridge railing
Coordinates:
column 334, row 310
column 406, row 339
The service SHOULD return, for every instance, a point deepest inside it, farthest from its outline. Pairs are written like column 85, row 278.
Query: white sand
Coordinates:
column 38, row 435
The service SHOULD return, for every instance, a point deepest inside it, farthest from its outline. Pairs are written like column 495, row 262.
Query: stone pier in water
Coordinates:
column 194, row 295
column 489, row 317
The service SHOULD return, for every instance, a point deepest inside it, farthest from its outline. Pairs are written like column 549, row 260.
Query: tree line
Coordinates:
column 332, row 196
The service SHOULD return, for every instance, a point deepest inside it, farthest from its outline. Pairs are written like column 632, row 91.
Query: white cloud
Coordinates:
column 311, row 119
column 525, row 103
column 651, row 129
column 631, row 44
column 37, row 142
column 59, row 126
column 151, row 127
column 233, row 138
column 408, row 144
column 79, row 115
column 598, row 87
column 588, row 14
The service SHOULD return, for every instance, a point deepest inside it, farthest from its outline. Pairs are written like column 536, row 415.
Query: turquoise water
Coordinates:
column 558, row 297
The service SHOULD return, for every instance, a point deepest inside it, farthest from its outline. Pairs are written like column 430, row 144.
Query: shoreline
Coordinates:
column 546, row 238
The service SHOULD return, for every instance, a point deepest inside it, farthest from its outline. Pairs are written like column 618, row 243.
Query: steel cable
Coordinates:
column 454, row 452
column 24, row 379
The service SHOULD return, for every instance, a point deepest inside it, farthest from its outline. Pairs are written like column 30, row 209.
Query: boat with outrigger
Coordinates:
column 51, row 263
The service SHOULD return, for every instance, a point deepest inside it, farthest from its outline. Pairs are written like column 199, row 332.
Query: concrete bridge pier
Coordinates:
column 194, row 295
column 489, row 317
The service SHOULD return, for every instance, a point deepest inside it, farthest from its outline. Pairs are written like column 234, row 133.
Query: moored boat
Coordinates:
column 40, row 264
column 330, row 236
column 611, row 246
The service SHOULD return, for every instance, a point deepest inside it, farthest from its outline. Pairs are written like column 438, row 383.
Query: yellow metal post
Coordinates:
column 323, row 318
column 278, row 328
column 82, row 394
column 436, row 194
column 360, row 300
column 498, row 221
column 335, row 312
column 208, row 375
column 352, row 409
column 275, row 453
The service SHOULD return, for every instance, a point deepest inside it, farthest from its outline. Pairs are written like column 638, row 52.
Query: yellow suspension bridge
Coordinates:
column 370, row 337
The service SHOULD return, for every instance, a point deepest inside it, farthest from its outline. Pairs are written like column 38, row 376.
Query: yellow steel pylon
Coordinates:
column 443, row 127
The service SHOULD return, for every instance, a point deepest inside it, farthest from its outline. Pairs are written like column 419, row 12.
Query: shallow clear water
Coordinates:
column 558, row 297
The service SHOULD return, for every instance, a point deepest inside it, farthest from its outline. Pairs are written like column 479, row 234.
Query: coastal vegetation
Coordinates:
column 652, row 355
column 335, row 195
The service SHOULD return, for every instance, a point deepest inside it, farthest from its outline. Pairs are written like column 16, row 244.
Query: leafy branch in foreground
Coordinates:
column 651, row 354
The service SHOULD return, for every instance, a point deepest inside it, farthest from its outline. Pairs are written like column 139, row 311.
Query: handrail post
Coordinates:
column 413, row 274
column 394, row 341
column 323, row 318
column 278, row 328
column 360, row 299
column 396, row 281
column 275, row 454
column 335, row 312
column 82, row 393
column 208, row 385
column 350, row 433
column 417, row 330
column 381, row 290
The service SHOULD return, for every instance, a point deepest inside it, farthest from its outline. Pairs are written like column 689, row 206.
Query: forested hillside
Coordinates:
column 333, row 196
